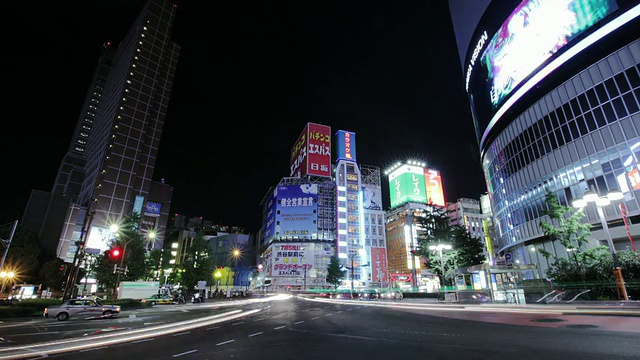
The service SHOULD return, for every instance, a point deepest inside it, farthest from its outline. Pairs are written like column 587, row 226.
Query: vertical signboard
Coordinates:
column 311, row 154
column 319, row 163
column 137, row 204
column 270, row 218
column 379, row 269
column 291, row 259
column 406, row 184
column 433, row 182
column 346, row 145
column 296, row 211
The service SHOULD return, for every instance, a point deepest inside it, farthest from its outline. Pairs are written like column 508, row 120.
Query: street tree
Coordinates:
column 197, row 265
column 22, row 257
column 334, row 272
column 434, row 228
column 566, row 227
column 53, row 274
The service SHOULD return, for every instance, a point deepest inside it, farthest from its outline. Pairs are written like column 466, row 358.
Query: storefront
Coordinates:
column 493, row 283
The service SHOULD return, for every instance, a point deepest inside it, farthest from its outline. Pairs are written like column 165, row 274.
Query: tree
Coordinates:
column 53, row 274
column 467, row 250
column 156, row 261
column 23, row 253
column 197, row 265
column 433, row 229
column 334, row 272
column 567, row 228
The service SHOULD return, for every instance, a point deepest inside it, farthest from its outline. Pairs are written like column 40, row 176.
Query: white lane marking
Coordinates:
column 184, row 310
column 349, row 309
column 259, row 319
column 329, row 314
column 185, row 353
column 182, row 333
column 225, row 342
column 279, row 327
column 98, row 348
column 143, row 340
column 256, row 334
column 238, row 323
column 212, row 327
column 313, row 318
column 298, row 322
column 339, row 311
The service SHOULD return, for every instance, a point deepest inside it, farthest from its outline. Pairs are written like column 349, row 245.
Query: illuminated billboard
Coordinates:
column 311, row 154
column 379, row 269
column 296, row 211
column 516, row 48
column 98, row 240
column 406, row 184
column 346, row 145
column 152, row 209
column 433, row 182
column 371, row 197
column 291, row 259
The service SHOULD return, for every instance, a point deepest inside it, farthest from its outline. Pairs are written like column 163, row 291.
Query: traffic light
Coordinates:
column 113, row 254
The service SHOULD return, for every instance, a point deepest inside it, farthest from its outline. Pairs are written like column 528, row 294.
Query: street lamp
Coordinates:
column 217, row 275
column 439, row 249
column 151, row 235
column 6, row 276
column 235, row 253
column 592, row 197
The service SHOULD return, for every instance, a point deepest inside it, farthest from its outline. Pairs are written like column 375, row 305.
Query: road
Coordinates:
column 297, row 328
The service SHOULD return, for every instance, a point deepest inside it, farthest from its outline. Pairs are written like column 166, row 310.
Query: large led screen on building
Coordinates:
column 296, row 211
column 291, row 259
column 406, row 184
column 311, row 154
column 433, row 182
column 346, row 145
column 535, row 31
column 503, row 58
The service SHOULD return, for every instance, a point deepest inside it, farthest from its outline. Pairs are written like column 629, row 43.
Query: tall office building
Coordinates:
column 554, row 89
column 107, row 171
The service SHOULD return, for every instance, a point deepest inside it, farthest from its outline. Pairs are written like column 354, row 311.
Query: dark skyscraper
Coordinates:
column 109, row 165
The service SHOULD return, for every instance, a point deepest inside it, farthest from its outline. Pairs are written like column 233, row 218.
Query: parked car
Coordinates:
column 391, row 295
column 327, row 294
column 368, row 294
column 159, row 299
column 81, row 307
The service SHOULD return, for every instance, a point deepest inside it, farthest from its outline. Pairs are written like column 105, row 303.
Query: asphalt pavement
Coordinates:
column 287, row 327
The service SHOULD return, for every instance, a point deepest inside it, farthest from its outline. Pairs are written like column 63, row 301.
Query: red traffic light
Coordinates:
column 115, row 253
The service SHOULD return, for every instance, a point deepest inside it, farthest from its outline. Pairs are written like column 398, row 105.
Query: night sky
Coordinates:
column 251, row 74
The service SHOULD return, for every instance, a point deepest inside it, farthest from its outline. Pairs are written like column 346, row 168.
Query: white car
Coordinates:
column 87, row 308
column 392, row 295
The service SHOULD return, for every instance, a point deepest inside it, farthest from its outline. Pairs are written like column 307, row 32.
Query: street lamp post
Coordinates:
column 439, row 249
column 235, row 254
column 592, row 197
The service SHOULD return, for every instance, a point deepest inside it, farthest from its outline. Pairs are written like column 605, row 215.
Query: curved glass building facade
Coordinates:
column 554, row 88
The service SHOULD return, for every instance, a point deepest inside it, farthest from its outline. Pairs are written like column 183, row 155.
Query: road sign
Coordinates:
column 508, row 258
column 202, row 285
